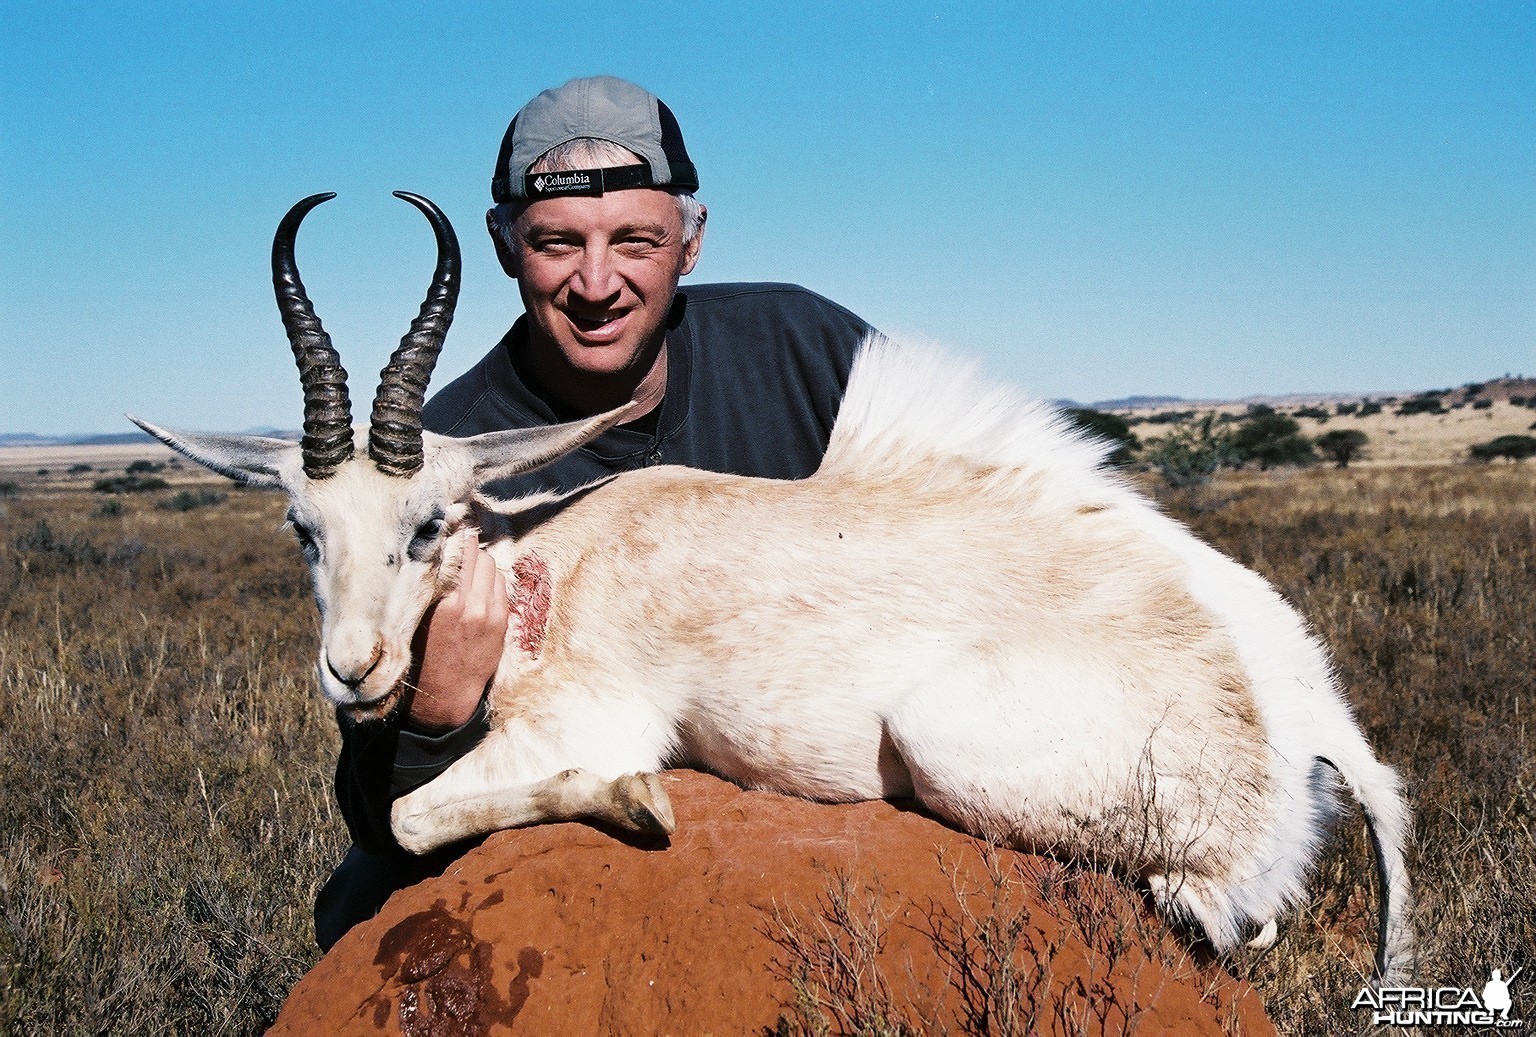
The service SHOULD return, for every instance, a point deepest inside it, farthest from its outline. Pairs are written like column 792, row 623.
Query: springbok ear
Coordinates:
column 252, row 460
column 499, row 455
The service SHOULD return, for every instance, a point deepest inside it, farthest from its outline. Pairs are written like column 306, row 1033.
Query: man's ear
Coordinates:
column 504, row 255
column 692, row 249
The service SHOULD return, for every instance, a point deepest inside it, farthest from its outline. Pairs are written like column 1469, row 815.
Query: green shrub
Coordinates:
column 191, row 500
column 130, row 484
column 1190, row 454
column 1110, row 427
column 136, row 467
column 1516, row 448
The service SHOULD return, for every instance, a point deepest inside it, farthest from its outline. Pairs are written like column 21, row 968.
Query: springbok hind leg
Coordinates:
column 444, row 811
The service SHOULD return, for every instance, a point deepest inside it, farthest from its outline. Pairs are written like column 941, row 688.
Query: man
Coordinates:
column 595, row 218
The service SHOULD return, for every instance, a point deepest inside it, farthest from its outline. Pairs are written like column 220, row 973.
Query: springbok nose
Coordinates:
column 353, row 676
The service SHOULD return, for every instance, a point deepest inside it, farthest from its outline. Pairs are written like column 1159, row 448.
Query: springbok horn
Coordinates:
column 327, row 438
column 394, row 433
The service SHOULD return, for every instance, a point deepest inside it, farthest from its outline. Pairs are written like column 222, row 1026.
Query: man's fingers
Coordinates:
column 485, row 592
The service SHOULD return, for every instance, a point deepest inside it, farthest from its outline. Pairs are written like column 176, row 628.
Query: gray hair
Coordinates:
column 592, row 153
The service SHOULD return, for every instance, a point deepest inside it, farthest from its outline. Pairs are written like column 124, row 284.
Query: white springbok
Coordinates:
column 961, row 606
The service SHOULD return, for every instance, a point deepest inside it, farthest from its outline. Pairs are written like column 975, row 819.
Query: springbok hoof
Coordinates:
column 1266, row 937
column 644, row 804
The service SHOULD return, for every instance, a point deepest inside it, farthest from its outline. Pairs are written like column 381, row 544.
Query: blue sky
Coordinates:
column 1204, row 200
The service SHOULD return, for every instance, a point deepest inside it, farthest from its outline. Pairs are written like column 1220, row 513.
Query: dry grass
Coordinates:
column 1423, row 582
column 166, row 767
column 166, row 761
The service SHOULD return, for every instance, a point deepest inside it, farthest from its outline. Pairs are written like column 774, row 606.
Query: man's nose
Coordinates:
column 596, row 279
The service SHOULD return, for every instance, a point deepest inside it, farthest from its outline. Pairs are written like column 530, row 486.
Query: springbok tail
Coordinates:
column 1376, row 788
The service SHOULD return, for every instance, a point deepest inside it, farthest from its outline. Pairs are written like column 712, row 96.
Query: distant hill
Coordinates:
column 1126, row 402
column 1494, row 389
column 8, row 439
column 101, row 439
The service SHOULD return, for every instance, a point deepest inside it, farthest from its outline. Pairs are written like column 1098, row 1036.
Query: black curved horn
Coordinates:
column 327, row 438
column 394, row 432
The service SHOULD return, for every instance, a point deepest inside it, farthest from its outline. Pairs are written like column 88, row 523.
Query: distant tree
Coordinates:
column 1346, row 408
column 1270, row 440
column 1482, row 404
column 1342, row 445
column 1318, row 414
column 1516, row 448
column 76, row 469
column 1107, row 426
column 1170, row 417
column 1424, row 403
column 1367, row 408
column 137, row 467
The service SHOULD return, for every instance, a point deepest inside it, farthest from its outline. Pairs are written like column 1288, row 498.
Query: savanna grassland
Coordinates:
column 166, row 762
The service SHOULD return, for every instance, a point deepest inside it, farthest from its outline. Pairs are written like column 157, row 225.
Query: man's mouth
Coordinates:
column 602, row 328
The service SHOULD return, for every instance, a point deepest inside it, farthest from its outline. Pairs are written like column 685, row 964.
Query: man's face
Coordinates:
column 597, row 275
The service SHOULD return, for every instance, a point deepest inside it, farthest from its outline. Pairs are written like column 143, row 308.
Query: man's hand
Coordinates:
column 460, row 642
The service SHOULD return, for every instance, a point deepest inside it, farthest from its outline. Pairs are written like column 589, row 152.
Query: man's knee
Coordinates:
column 359, row 886
column 363, row 881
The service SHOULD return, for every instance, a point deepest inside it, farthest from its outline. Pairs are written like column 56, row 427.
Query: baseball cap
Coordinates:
column 604, row 107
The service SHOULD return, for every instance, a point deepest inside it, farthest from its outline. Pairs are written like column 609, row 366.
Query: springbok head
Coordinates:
column 375, row 507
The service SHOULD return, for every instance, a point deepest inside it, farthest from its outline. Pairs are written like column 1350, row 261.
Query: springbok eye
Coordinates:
column 426, row 535
column 306, row 538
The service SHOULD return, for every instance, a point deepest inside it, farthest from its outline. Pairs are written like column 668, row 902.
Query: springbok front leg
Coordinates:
column 466, row 801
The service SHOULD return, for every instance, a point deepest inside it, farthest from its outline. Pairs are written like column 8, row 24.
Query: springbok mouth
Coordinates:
column 377, row 709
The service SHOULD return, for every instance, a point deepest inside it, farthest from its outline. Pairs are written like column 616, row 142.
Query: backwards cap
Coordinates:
column 603, row 107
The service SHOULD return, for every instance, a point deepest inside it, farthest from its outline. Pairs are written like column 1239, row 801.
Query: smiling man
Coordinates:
column 596, row 219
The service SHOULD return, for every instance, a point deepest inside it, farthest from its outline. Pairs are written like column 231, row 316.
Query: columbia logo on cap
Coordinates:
column 553, row 183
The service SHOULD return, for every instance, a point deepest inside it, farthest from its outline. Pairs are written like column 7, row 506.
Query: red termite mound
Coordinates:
column 763, row 914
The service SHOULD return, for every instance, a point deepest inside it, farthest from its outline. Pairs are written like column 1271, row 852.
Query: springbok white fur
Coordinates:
column 961, row 606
